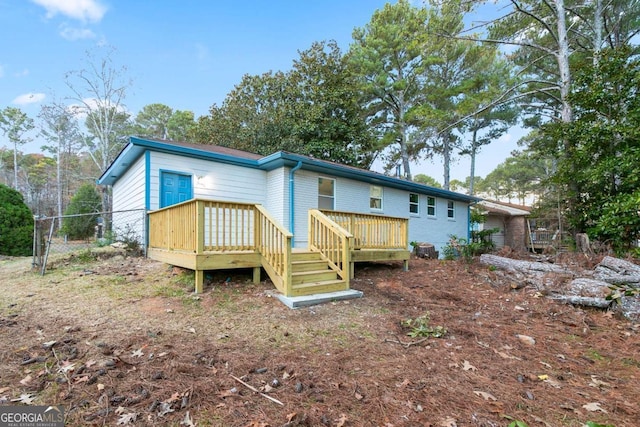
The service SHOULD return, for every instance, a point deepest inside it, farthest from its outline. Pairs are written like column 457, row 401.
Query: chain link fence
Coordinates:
column 76, row 233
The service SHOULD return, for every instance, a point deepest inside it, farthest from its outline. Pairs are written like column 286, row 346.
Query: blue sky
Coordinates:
column 186, row 54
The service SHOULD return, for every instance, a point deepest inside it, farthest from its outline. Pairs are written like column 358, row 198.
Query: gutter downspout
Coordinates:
column 292, row 203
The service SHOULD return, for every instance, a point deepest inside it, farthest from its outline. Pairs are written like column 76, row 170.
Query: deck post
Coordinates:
column 405, row 265
column 199, row 244
column 199, row 288
column 256, row 275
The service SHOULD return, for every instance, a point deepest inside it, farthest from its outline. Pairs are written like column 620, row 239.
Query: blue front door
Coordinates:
column 174, row 188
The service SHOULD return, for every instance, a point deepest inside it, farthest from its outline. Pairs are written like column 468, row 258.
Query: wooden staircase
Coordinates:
column 311, row 274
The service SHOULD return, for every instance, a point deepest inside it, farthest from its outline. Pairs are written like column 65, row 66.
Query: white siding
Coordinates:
column 353, row 196
column 128, row 194
column 495, row 222
column 128, row 191
column 210, row 180
column 306, row 197
column 277, row 200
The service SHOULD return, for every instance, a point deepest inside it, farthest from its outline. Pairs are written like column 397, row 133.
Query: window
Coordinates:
column 326, row 193
column 375, row 197
column 431, row 206
column 413, row 203
column 451, row 209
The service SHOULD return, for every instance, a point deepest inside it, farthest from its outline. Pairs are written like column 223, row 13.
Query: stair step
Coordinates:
column 312, row 276
column 305, row 256
column 320, row 287
column 312, row 265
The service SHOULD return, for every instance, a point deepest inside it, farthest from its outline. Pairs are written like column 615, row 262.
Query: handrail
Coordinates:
column 373, row 231
column 273, row 241
column 332, row 241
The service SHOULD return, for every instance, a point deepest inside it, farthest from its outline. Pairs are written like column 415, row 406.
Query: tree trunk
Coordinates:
column 618, row 271
column 518, row 266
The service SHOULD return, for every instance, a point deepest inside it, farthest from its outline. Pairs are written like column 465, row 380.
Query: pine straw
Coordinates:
column 164, row 354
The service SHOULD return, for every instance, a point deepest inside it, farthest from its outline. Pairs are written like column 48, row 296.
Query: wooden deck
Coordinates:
column 206, row 235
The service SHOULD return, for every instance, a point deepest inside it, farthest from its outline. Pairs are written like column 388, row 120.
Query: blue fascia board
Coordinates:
column 282, row 158
column 129, row 154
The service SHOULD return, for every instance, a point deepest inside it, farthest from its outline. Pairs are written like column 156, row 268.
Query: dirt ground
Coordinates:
column 124, row 341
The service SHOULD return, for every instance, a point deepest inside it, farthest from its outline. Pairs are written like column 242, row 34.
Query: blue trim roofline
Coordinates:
column 137, row 146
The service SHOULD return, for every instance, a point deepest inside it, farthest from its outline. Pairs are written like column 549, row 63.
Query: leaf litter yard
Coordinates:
column 123, row 341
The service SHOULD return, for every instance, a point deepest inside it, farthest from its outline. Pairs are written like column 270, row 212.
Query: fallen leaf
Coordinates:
column 127, row 419
column 66, row 367
column 485, row 395
column 546, row 365
column 543, row 377
column 526, row 339
column 165, row 408
column 553, row 383
column 593, row 407
column 341, row 421
column 26, row 380
column 359, row 396
column 137, row 353
column 404, row 383
column 25, row 398
column 595, row 382
column 187, row 421
column 468, row 366
column 448, row 422
column 4, row 389
column 540, row 420
column 192, row 330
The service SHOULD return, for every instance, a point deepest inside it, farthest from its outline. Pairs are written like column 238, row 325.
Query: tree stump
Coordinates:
column 582, row 243
column 426, row 250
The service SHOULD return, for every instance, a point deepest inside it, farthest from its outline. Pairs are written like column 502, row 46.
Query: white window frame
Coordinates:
column 451, row 209
column 372, row 198
column 415, row 204
column 435, row 202
column 332, row 198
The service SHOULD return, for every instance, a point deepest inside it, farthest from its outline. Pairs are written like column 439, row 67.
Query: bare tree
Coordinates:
column 98, row 93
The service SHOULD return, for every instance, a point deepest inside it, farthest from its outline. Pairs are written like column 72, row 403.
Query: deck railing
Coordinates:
column 373, row 231
column 175, row 227
column 274, row 243
column 201, row 226
column 332, row 241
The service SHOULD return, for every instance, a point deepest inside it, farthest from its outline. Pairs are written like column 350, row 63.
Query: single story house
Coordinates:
column 259, row 211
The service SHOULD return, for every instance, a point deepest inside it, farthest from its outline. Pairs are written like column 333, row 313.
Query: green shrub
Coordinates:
column 16, row 224
column 86, row 203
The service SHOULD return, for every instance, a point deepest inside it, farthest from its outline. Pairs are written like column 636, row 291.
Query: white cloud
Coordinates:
column 76, row 33
column 82, row 10
column 29, row 98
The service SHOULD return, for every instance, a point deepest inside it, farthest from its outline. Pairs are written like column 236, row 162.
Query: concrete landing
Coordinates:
column 307, row 300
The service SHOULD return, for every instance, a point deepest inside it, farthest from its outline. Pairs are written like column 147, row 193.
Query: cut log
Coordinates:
column 618, row 271
column 588, row 288
column 514, row 265
column 578, row 300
